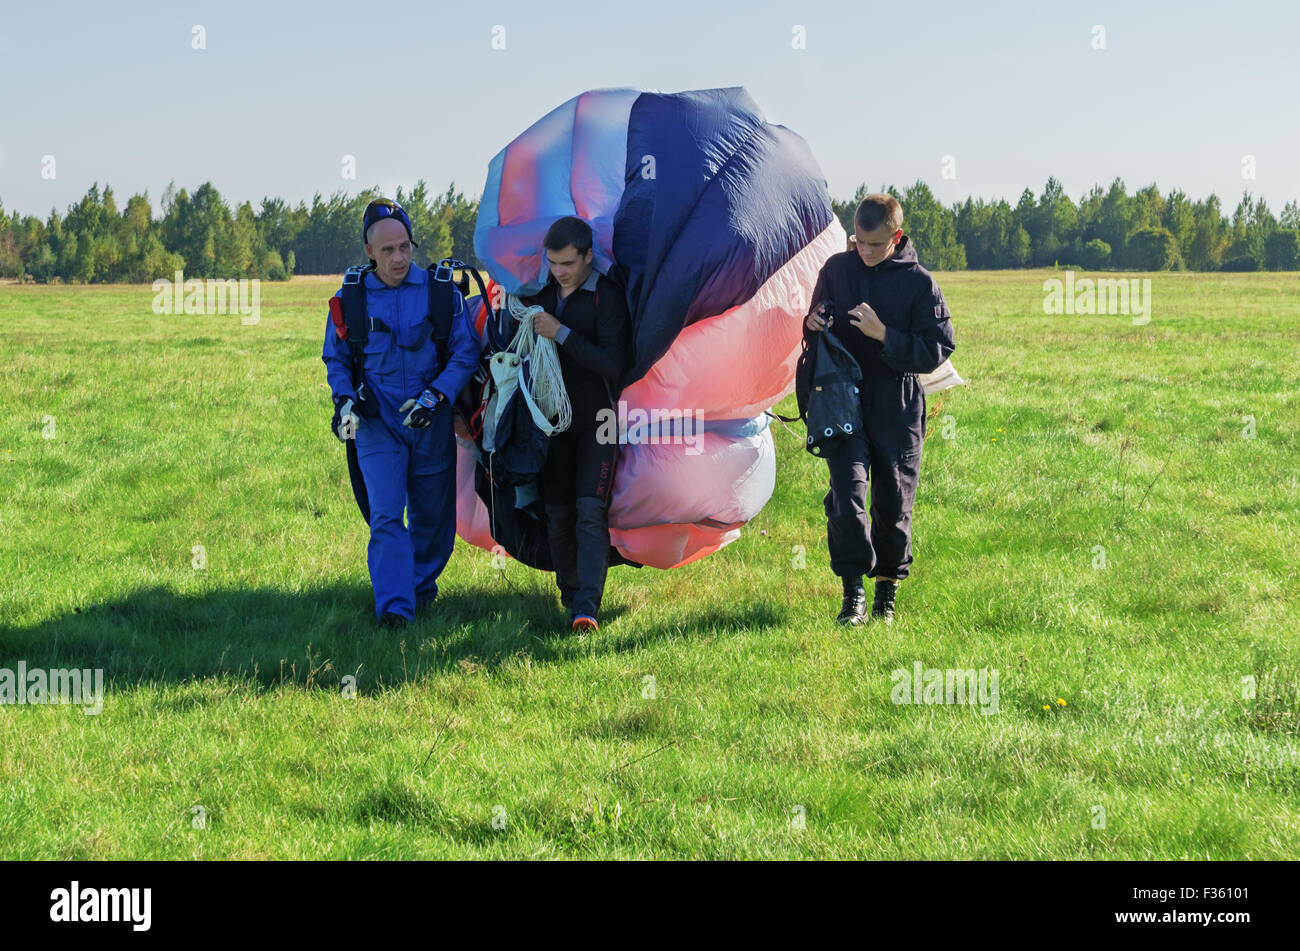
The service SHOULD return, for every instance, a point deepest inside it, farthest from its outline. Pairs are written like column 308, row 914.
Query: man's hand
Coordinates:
column 546, row 325
column 816, row 320
column 345, row 421
column 865, row 319
column 421, row 409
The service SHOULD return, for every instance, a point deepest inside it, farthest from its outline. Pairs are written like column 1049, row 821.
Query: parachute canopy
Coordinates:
column 716, row 222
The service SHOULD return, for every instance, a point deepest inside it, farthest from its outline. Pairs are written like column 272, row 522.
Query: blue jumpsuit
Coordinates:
column 404, row 468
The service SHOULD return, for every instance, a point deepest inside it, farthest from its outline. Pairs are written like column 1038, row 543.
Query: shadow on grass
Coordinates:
column 316, row 637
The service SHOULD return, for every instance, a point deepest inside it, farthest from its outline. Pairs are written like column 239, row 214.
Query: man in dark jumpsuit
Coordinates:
column 585, row 313
column 890, row 314
column 406, row 452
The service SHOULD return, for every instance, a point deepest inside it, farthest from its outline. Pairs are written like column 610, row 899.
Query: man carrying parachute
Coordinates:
column 586, row 315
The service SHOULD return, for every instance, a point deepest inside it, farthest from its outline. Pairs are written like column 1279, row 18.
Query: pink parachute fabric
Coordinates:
column 717, row 223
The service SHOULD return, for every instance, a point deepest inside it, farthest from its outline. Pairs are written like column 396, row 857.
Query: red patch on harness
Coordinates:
column 336, row 315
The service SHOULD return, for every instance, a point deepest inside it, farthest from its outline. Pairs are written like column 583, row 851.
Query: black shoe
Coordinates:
column 854, row 607
column 424, row 605
column 392, row 620
column 886, row 592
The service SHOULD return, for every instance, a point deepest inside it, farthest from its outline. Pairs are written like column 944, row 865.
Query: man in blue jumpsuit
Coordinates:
column 407, row 452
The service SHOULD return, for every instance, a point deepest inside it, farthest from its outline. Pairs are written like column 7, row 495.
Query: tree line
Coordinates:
column 1105, row 229
column 202, row 235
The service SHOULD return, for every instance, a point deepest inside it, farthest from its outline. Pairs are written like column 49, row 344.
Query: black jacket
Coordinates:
column 594, row 355
column 918, row 334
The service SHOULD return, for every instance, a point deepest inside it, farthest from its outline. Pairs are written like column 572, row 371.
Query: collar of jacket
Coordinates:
column 588, row 285
column 904, row 256
column 414, row 275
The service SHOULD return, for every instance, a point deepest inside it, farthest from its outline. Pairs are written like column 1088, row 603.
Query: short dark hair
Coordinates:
column 879, row 210
column 568, row 231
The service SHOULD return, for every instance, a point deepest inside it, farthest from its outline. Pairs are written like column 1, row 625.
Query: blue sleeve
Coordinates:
column 928, row 341
column 464, row 349
column 338, row 362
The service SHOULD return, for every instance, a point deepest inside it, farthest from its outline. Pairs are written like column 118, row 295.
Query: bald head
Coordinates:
column 389, row 246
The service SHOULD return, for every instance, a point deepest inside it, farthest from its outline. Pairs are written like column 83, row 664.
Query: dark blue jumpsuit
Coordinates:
column 884, row 459
column 404, row 468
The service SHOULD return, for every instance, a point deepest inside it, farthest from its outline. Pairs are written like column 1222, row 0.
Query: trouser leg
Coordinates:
column 431, row 504
column 593, row 555
column 558, row 489
column 895, row 447
column 848, row 524
column 384, row 460
column 594, row 485
column 562, row 534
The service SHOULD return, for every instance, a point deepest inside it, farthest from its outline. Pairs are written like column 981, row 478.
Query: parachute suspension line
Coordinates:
column 492, row 491
column 547, row 383
column 786, row 426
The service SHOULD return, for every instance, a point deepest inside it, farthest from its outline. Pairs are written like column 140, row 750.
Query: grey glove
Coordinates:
column 345, row 421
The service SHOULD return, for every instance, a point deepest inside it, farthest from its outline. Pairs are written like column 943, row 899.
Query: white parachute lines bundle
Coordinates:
column 546, row 389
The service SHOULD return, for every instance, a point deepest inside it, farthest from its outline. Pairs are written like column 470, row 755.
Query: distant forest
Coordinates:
column 204, row 236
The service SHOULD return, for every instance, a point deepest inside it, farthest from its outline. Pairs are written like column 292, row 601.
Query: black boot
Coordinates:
column 886, row 592
column 854, row 607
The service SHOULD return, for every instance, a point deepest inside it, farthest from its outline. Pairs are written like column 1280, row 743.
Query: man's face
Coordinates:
column 569, row 267
column 875, row 246
column 390, row 249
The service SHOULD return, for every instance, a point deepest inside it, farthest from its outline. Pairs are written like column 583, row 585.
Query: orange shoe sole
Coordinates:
column 584, row 624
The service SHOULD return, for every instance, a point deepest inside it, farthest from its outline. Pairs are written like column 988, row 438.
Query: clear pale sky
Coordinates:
column 1013, row 91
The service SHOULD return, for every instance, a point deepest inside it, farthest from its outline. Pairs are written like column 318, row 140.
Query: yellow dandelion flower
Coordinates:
column 1060, row 702
column 1046, row 707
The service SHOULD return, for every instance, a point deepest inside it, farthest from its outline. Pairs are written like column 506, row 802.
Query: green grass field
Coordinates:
column 483, row 731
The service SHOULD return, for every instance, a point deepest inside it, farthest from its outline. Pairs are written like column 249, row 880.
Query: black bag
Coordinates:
column 520, row 451
column 520, row 529
column 827, row 380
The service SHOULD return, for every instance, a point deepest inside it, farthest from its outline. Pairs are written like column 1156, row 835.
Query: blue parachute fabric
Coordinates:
column 731, row 199
column 694, row 199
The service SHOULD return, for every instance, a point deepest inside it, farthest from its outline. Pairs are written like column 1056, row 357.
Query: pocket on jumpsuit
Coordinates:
column 375, row 377
column 373, row 436
column 912, row 411
column 434, row 447
column 380, row 355
column 908, row 465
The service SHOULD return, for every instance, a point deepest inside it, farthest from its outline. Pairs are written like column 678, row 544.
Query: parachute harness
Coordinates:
column 546, row 389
